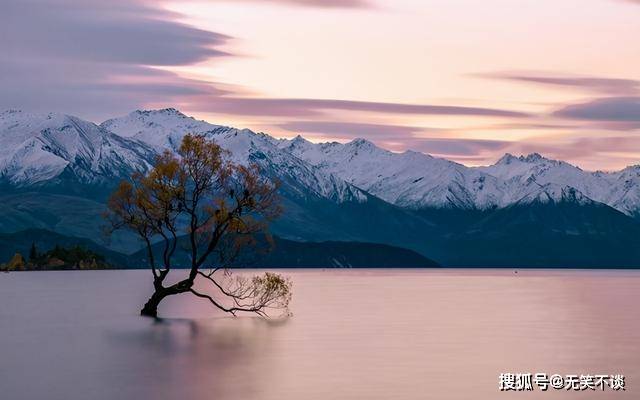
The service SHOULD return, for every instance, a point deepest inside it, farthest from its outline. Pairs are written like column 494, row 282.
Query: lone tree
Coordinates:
column 216, row 209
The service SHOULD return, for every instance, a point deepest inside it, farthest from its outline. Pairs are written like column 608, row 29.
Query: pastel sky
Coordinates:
column 463, row 79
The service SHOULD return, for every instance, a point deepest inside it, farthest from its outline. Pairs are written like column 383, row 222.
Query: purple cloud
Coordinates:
column 584, row 148
column 458, row 148
column 351, row 130
column 392, row 134
column 398, row 108
column 94, row 90
column 613, row 86
column 112, row 32
column 581, row 150
column 94, row 58
column 300, row 107
column 616, row 109
column 530, row 126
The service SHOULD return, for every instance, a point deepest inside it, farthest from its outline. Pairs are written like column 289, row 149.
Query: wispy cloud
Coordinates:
column 398, row 137
column 459, row 148
column 114, row 32
column 517, row 126
column 96, row 58
column 304, row 107
column 100, row 58
column 615, row 109
column 351, row 130
column 605, row 85
column 589, row 152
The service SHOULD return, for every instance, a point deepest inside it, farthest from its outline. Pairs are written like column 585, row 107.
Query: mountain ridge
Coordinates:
column 400, row 178
column 43, row 148
column 355, row 192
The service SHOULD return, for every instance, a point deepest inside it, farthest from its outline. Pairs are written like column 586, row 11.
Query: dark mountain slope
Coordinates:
column 65, row 214
column 292, row 254
column 558, row 234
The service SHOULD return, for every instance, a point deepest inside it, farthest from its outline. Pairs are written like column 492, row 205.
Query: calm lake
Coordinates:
column 355, row 334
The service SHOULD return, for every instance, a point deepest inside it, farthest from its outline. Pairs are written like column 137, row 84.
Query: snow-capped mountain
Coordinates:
column 49, row 148
column 527, row 176
column 164, row 129
column 553, row 194
column 39, row 148
column 408, row 179
column 416, row 180
column 624, row 192
column 160, row 129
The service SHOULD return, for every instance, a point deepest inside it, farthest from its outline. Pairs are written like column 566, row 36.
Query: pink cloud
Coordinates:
column 605, row 85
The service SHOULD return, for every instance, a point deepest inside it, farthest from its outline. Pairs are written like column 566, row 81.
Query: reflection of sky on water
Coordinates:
column 354, row 335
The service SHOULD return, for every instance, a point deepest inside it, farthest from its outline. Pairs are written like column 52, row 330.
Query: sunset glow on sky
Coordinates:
column 461, row 79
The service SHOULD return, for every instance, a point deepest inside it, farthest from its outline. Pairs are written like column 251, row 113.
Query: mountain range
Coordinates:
column 351, row 192
column 416, row 180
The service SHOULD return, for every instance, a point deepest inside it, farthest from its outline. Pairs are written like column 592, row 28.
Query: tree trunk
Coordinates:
column 150, row 308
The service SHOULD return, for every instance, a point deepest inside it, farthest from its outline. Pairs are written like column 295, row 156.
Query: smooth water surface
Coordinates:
column 355, row 334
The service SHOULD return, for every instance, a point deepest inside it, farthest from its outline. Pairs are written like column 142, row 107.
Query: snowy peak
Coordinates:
column 509, row 158
column 532, row 159
column 409, row 179
column 299, row 141
column 556, row 194
column 160, row 129
column 521, row 176
column 624, row 190
column 163, row 111
column 41, row 147
column 316, row 153
column 164, row 129
column 630, row 172
column 296, row 145
column 362, row 144
column 416, row 180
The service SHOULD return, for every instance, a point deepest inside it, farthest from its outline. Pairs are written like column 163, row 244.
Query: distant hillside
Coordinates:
column 549, row 235
column 288, row 253
column 292, row 254
column 71, row 216
column 285, row 254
